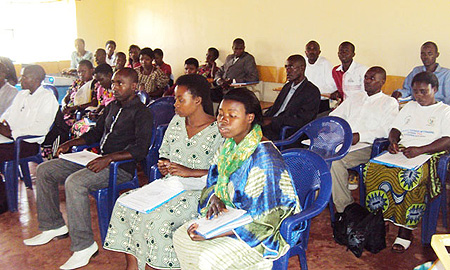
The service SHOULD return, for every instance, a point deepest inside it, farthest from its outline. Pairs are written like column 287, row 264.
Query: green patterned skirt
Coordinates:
column 148, row 237
column 401, row 193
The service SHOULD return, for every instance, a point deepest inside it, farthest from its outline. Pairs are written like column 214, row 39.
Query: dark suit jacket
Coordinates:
column 301, row 109
column 244, row 70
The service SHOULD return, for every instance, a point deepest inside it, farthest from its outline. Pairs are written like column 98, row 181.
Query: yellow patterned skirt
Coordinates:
column 401, row 193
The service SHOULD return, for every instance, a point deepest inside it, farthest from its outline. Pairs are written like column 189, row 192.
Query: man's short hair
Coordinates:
column 101, row 50
column 191, row 61
column 104, row 69
column 158, row 52
column 214, row 51
column 430, row 43
column 239, row 41
column 111, row 42
column 129, row 72
column 121, row 54
column 348, row 43
column 313, row 42
column 86, row 63
column 36, row 72
column 147, row 51
column 3, row 69
column 80, row 40
column 133, row 46
column 379, row 70
column 297, row 58
column 426, row 77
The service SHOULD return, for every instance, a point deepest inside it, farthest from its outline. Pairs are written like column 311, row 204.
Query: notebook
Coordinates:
column 399, row 160
column 227, row 221
column 151, row 196
column 82, row 157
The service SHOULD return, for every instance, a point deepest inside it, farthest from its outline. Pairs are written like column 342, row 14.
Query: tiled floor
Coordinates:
column 323, row 252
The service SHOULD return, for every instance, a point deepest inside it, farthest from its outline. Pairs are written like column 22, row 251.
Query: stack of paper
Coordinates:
column 82, row 157
column 399, row 160
column 151, row 196
column 227, row 221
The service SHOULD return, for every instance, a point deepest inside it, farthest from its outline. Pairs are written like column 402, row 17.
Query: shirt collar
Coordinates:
column 375, row 96
column 349, row 68
column 438, row 68
column 294, row 87
column 134, row 102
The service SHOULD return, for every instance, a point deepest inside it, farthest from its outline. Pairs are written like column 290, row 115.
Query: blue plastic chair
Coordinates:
column 430, row 218
column 53, row 89
column 331, row 138
column 311, row 176
column 163, row 111
column 10, row 170
column 107, row 197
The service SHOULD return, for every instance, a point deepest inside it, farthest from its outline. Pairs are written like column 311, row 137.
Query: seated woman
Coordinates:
column 250, row 174
column 190, row 67
column 133, row 56
column 209, row 69
column 422, row 126
column 76, row 100
column 188, row 147
column 151, row 79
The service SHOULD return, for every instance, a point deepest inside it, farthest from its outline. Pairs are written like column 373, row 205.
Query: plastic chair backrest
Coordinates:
column 163, row 110
column 53, row 89
column 310, row 174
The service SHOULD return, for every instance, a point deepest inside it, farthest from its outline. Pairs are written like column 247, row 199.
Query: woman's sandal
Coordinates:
column 400, row 245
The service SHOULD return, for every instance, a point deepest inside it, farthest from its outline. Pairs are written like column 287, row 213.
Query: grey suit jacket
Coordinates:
column 244, row 70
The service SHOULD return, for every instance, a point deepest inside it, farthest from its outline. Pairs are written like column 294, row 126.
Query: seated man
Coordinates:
column 428, row 53
column 239, row 67
column 296, row 105
column 80, row 54
column 369, row 114
column 190, row 67
column 7, row 91
column 100, row 56
column 166, row 68
column 124, row 132
column 120, row 61
column 209, row 69
column 110, row 47
column 349, row 76
column 318, row 71
column 32, row 112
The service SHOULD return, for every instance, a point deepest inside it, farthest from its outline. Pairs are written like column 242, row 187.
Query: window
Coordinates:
column 37, row 30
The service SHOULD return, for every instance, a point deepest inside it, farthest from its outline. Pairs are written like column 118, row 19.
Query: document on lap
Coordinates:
column 225, row 222
column 399, row 160
column 81, row 158
column 151, row 196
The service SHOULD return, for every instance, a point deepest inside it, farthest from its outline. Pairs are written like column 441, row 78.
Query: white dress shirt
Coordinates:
column 7, row 95
column 422, row 125
column 353, row 80
column 32, row 114
column 288, row 98
column 319, row 74
column 370, row 116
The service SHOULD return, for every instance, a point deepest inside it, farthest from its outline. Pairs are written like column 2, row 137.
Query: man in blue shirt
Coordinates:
column 428, row 53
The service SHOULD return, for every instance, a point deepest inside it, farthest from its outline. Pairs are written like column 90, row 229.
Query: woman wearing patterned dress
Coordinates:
column 189, row 144
column 151, row 79
column 422, row 126
column 249, row 173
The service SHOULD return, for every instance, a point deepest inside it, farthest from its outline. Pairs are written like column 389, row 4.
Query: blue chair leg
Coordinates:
column 282, row 263
column 11, row 185
column 102, row 211
column 302, row 258
column 331, row 206
column 26, row 174
column 429, row 220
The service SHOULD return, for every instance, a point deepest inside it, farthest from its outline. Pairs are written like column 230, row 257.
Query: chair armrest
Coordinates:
column 85, row 146
column 292, row 139
column 443, row 168
column 284, row 130
column 113, row 192
column 154, row 173
column 19, row 140
column 379, row 145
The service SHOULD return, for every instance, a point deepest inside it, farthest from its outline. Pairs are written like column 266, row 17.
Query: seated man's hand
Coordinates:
column 355, row 139
column 393, row 148
column 163, row 166
column 5, row 129
column 335, row 95
column 63, row 148
column 396, row 94
column 99, row 163
column 179, row 170
column 411, row 152
column 216, row 207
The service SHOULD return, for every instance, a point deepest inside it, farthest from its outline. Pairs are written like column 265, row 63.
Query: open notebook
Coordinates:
column 399, row 160
column 227, row 221
column 82, row 157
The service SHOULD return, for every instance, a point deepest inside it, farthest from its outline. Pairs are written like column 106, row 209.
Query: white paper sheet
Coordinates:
column 82, row 157
column 225, row 222
column 151, row 196
column 4, row 139
column 399, row 160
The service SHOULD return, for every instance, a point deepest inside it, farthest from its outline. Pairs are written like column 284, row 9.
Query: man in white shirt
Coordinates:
column 369, row 114
column 349, row 76
column 7, row 91
column 31, row 113
column 110, row 47
column 318, row 71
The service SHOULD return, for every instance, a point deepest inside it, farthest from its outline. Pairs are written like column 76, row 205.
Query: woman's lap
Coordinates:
column 149, row 236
